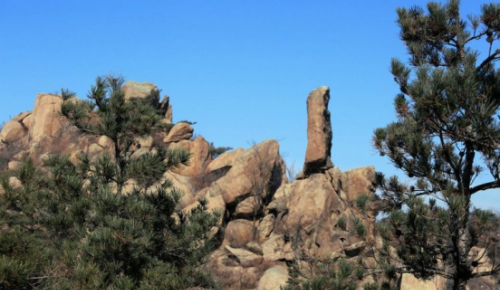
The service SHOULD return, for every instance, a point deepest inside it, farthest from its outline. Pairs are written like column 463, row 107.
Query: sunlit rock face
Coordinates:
column 261, row 211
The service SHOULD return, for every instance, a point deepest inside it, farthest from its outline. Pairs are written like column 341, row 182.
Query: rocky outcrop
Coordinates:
column 319, row 132
column 46, row 118
column 134, row 89
column 262, row 213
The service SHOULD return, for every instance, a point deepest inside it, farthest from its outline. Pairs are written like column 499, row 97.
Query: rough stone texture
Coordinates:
column 266, row 226
column 312, row 197
column 27, row 121
column 275, row 249
column 46, row 117
column 12, row 131
column 134, row 89
column 260, row 212
column 239, row 232
column 319, row 132
column 273, row 278
column 409, row 282
column 180, row 131
column 259, row 171
column 358, row 181
column 227, row 159
column 247, row 207
column 200, row 157
column 245, row 258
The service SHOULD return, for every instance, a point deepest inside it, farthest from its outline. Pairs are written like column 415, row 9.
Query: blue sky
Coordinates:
column 241, row 69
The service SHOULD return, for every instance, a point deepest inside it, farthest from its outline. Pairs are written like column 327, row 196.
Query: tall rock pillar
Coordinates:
column 319, row 133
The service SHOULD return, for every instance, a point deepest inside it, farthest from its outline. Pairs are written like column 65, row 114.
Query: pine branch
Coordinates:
column 493, row 57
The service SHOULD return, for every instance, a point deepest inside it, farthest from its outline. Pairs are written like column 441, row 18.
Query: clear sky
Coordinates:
column 241, row 69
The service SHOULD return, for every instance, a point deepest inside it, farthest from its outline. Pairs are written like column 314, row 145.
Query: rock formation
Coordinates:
column 319, row 132
column 263, row 213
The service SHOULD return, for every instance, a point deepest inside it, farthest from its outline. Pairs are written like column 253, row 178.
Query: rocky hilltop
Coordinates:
column 267, row 220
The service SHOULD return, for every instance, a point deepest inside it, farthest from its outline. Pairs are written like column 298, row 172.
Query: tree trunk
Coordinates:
column 459, row 284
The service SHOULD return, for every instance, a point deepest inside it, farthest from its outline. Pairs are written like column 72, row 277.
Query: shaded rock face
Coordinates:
column 319, row 132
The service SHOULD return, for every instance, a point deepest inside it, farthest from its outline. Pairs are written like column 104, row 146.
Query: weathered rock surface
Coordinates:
column 12, row 131
column 239, row 232
column 134, row 89
column 261, row 212
column 258, row 171
column 409, row 282
column 319, row 132
column 226, row 160
column 47, row 120
column 358, row 181
column 180, row 131
column 200, row 156
column 245, row 258
column 273, row 278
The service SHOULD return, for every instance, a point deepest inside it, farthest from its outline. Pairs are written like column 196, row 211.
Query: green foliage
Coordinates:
column 446, row 123
column 98, row 239
column 107, row 113
column 341, row 223
column 71, row 226
column 359, row 226
column 362, row 202
column 327, row 275
column 216, row 151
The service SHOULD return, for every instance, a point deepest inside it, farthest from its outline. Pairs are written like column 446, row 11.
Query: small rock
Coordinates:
column 245, row 258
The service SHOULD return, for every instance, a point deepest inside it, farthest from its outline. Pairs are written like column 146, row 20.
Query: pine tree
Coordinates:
column 107, row 113
column 446, row 134
column 72, row 226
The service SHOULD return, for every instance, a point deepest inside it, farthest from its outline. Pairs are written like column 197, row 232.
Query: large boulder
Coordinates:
column 46, row 118
column 359, row 181
column 239, row 232
column 310, row 200
column 273, row 278
column 319, row 132
column 134, row 89
column 12, row 131
column 258, row 172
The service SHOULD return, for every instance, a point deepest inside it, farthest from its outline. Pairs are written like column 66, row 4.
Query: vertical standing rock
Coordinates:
column 319, row 133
